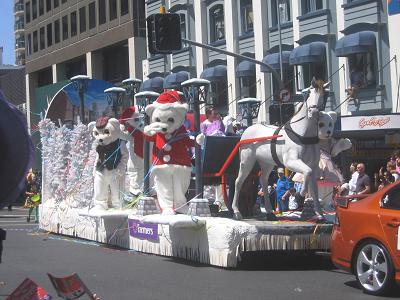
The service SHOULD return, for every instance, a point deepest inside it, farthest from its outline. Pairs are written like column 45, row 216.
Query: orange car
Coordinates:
column 366, row 238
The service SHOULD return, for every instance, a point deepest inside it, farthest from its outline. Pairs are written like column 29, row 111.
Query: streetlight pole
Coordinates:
column 279, row 10
column 195, row 90
column 80, row 84
column 143, row 99
column 115, row 96
column 132, row 86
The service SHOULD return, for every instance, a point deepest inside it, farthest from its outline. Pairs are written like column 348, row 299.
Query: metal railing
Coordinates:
column 19, row 7
column 19, row 25
column 19, row 44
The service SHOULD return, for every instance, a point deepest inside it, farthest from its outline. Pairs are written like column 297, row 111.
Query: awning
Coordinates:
column 217, row 73
column 359, row 42
column 174, row 80
column 308, row 53
column 154, row 85
column 273, row 60
column 245, row 69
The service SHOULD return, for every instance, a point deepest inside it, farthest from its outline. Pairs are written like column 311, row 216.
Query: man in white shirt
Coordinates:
column 351, row 185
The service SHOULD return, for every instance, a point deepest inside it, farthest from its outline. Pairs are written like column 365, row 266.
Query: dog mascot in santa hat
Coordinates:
column 133, row 130
column 171, row 159
column 111, row 160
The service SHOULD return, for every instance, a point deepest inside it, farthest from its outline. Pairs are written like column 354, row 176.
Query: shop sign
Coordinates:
column 370, row 122
column 141, row 230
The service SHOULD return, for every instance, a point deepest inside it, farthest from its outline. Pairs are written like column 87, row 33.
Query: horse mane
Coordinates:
column 319, row 85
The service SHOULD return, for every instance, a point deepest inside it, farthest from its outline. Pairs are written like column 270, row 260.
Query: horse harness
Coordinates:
column 295, row 137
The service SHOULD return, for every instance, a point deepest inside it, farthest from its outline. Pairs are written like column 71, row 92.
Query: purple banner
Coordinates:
column 141, row 230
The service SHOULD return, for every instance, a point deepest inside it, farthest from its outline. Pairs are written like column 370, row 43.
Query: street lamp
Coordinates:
column 132, row 86
column 195, row 91
column 249, row 108
column 115, row 95
column 142, row 100
column 80, row 83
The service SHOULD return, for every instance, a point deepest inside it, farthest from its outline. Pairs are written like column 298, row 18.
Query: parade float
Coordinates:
column 86, row 193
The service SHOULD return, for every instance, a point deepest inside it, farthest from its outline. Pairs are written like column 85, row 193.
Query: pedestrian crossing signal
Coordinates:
column 164, row 33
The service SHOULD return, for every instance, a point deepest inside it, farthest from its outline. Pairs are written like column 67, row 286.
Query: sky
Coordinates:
column 7, row 31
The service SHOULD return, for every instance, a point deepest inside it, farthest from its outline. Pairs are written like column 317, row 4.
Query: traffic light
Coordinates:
column 164, row 33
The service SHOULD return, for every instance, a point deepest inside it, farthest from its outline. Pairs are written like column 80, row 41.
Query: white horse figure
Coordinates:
column 298, row 150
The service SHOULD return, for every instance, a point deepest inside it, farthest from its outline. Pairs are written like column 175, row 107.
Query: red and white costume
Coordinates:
column 135, row 138
column 171, row 159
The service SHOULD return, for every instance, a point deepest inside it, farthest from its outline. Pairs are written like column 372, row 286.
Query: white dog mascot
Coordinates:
column 111, row 160
column 171, row 159
column 133, row 129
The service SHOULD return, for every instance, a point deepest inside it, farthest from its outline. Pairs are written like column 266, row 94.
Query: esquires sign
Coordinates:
column 354, row 123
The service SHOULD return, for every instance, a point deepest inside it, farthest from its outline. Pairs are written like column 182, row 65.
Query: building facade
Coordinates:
column 351, row 43
column 104, row 39
column 19, row 31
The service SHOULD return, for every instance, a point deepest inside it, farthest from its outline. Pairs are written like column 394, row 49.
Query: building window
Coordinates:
column 306, row 72
column 362, row 68
column 139, row 23
column 308, row 6
column 102, row 11
column 48, row 5
column 74, row 29
column 248, row 86
column 42, row 38
column 246, row 16
column 29, row 44
column 217, row 23
column 219, row 95
column 49, row 34
column 82, row 19
column 34, row 9
column 56, row 3
column 113, row 9
column 63, row 1
column 56, row 31
column 35, row 41
column 183, row 25
column 41, row 7
column 65, row 28
column 92, row 15
column 28, row 12
column 124, row 7
column 284, row 11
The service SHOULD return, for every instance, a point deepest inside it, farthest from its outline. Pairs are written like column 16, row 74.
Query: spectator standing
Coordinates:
column 282, row 190
column 213, row 125
column 363, row 185
column 391, row 168
column 350, row 187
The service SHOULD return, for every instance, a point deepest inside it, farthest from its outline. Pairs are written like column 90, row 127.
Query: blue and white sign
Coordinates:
column 393, row 7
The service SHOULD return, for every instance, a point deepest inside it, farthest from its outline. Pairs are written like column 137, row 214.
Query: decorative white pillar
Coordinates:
column 343, row 77
column 231, row 37
column 89, row 70
column 28, row 102
column 393, row 28
column 54, row 72
column 261, row 45
column 137, row 52
column 201, row 35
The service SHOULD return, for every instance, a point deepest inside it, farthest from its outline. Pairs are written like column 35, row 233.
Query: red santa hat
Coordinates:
column 127, row 114
column 169, row 99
